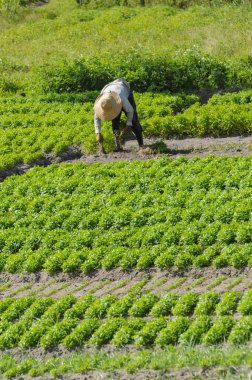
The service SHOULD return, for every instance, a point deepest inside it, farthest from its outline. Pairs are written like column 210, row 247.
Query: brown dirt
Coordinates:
column 188, row 147
column 119, row 282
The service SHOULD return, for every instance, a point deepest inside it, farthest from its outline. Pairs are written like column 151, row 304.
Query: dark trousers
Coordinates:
column 136, row 126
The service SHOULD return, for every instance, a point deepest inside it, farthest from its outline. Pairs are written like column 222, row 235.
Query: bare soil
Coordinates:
column 119, row 282
column 188, row 147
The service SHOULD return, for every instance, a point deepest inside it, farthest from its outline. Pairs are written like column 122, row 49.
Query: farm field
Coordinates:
column 126, row 265
column 175, row 272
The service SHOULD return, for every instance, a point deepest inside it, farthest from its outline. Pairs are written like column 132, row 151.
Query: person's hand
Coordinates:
column 99, row 138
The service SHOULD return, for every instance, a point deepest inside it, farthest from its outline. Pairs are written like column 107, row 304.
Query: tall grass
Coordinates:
column 68, row 31
column 186, row 358
column 62, row 29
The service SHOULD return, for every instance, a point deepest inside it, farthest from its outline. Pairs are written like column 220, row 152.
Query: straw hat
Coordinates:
column 108, row 105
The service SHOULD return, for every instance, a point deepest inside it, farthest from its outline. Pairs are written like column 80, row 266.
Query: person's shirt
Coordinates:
column 122, row 88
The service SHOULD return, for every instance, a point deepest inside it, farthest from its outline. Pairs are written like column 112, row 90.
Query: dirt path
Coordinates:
column 188, row 147
column 173, row 148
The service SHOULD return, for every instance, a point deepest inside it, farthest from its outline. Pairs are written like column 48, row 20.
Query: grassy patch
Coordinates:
column 89, row 360
column 32, row 36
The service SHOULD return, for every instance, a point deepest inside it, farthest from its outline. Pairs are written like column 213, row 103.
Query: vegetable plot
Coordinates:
column 160, row 213
column 73, row 323
column 32, row 127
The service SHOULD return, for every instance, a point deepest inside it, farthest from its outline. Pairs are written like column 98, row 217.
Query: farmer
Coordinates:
column 114, row 98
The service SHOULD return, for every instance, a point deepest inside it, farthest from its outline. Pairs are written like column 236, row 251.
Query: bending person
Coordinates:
column 114, row 98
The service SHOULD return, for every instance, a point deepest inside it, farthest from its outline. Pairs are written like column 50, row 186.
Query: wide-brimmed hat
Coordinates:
column 108, row 105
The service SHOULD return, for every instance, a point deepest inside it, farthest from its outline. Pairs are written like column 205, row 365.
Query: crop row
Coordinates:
column 158, row 213
column 32, row 127
column 88, row 260
column 31, row 321
column 135, row 303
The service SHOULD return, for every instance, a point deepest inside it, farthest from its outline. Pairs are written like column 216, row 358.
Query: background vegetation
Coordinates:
column 185, row 38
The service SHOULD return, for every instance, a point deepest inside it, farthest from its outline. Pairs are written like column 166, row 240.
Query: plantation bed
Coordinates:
column 173, row 148
column 118, row 282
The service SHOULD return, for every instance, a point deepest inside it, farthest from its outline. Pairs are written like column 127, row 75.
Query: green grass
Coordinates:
column 188, row 358
column 152, row 30
column 62, row 30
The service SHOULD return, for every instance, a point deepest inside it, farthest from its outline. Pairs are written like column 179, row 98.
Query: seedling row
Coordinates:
column 136, row 318
column 161, row 213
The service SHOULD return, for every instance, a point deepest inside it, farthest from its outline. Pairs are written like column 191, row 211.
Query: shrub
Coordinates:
column 189, row 70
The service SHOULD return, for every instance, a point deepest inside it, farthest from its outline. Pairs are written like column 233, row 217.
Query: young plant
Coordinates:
column 196, row 330
column 17, row 308
column 149, row 332
column 228, row 303
column 106, row 331
column 58, row 332
column 186, row 304
column 242, row 331
column 143, row 305
column 125, row 335
column 100, row 307
column 82, row 333
column 164, row 305
column 245, row 304
column 171, row 334
column 220, row 330
column 120, row 307
column 207, row 303
column 79, row 308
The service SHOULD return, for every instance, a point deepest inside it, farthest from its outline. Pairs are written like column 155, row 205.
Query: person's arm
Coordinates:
column 97, row 125
column 127, row 107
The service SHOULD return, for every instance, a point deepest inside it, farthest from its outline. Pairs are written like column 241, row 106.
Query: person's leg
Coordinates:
column 136, row 126
column 116, row 131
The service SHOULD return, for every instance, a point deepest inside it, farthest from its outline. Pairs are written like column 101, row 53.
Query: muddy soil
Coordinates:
column 173, row 148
